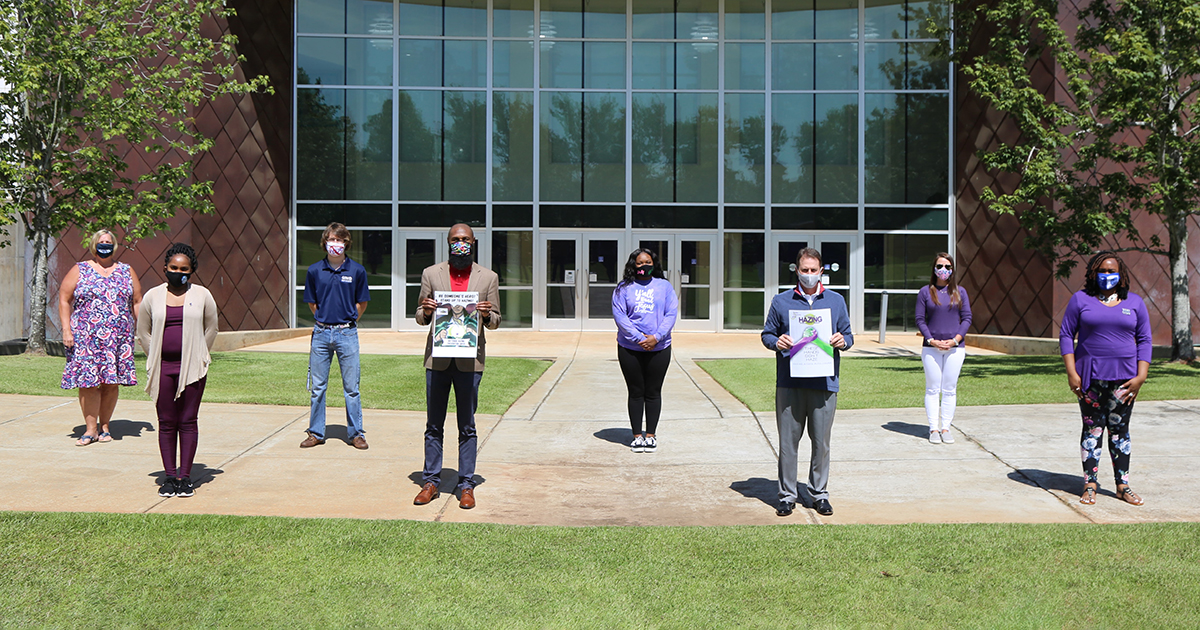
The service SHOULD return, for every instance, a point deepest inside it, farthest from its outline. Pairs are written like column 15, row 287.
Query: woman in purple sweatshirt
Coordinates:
column 645, row 307
column 1105, row 343
column 943, row 317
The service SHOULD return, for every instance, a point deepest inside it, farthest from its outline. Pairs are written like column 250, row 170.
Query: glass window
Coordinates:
column 562, row 18
column 792, row 19
column 928, row 68
column 745, row 260
column 784, row 218
column 464, row 173
column 516, row 308
column 512, row 216
column 696, row 66
column 745, row 137
column 512, row 146
column 654, row 19
column 793, row 132
column 604, row 65
column 835, row 148
column 604, row 19
column 368, row 214
column 369, row 61
column 885, row 19
column 900, row 66
column 839, row 66
column 907, row 219
column 886, row 67
column 744, row 19
column 885, row 148
column 922, row 14
column 675, row 147
column 369, row 17
column 562, row 64
column 901, row 313
column 583, row 146
column 512, row 257
column 512, row 18
column 792, row 66
column 466, row 18
column 320, row 61
column 836, row 19
column 582, row 216
column 512, row 64
column 344, row 144
column 744, row 310
column 443, row 215
column 466, row 63
column 907, row 142
column 421, row 17
column 745, row 218
column 675, row 217
column 320, row 16
column 900, row 261
column 745, row 66
column 653, row 65
column 421, row 62
column 370, row 248
column 696, row 19
column 420, row 169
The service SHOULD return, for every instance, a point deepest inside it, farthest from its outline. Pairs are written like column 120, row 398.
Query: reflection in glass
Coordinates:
column 466, row 18
column 745, row 66
column 464, row 173
column 420, row 170
column 922, row 14
column 582, row 146
column 928, row 69
column 744, row 19
column 836, row 19
column 792, row 19
column 653, row 65
column 603, row 261
column 792, row 134
column 675, row 147
column 792, row 67
column 419, row 253
column 675, row 19
column 901, row 315
column 561, row 18
column 835, row 148
column 512, row 257
column 786, row 261
column 512, row 64
column 696, row 262
column 835, row 255
column 321, row 60
column 696, row 66
column 900, row 66
column 745, row 256
column 344, row 144
column 512, row 146
column 358, row 214
column 839, row 66
column 379, row 310
column 604, row 19
column 420, row 62
column 693, row 302
column 516, row 308
column 321, row 16
column 304, row 316
column 745, row 140
column 512, row 18
column 900, row 261
column 885, row 19
column 369, row 17
column 466, row 64
column 370, row 248
column 744, row 310
column 421, row 17
column 604, row 65
column 562, row 64
column 560, row 278
column 906, row 141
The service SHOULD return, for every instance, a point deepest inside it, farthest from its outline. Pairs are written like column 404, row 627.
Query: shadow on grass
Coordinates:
column 765, row 490
column 201, row 474
column 620, row 436
column 118, row 429
column 908, row 428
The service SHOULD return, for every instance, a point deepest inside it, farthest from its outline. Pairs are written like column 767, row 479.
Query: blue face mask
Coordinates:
column 1108, row 280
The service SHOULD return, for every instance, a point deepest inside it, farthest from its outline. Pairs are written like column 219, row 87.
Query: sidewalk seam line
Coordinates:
column 34, row 413
column 558, row 380
column 688, row 374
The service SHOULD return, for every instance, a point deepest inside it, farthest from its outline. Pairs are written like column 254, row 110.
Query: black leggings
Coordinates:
column 644, row 373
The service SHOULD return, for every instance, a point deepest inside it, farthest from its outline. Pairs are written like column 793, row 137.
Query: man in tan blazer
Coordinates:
column 460, row 273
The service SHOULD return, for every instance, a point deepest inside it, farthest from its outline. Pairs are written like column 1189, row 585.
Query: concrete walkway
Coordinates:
column 559, row 455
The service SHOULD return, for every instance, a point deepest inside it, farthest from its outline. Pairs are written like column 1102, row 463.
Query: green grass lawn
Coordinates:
column 108, row 570
column 269, row 378
column 873, row 383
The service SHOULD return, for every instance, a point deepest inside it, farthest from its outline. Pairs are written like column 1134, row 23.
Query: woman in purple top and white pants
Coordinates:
column 943, row 316
column 645, row 308
column 1105, row 343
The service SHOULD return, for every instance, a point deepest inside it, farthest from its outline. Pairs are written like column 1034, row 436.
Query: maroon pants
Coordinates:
column 177, row 417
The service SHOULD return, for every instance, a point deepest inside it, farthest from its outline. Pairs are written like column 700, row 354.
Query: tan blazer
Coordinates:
column 199, row 333
column 487, row 284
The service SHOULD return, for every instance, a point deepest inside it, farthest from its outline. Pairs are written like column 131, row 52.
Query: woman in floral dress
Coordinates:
column 97, row 302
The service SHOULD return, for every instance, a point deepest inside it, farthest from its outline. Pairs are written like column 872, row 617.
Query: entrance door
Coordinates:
column 687, row 262
column 580, row 270
column 421, row 249
column 838, row 253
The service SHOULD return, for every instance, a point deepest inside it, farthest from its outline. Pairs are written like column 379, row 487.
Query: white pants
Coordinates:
column 941, row 377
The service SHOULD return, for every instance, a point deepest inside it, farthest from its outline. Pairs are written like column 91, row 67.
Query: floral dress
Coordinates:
column 102, row 324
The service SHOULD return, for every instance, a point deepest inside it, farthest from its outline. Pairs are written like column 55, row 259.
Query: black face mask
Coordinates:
column 104, row 250
column 177, row 279
column 644, row 271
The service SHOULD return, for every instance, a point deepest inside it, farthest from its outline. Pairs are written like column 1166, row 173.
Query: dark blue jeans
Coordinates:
column 437, row 399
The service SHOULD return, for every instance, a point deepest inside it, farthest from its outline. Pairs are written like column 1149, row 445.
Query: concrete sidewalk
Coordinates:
column 559, row 455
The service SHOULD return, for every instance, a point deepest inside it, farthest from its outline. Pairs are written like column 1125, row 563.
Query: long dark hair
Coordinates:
column 630, row 273
column 1092, row 288
column 951, row 285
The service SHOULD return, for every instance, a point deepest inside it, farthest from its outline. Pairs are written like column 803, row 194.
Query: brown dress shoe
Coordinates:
column 360, row 443
column 466, row 499
column 311, row 441
column 428, row 492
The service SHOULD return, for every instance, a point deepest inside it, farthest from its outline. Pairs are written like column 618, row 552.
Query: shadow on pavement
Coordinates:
column 765, row 490
column 119, row 428
column 201, row 474
column 908, row 428
column 622, row 436
column 449, row 479
column 1071, row 484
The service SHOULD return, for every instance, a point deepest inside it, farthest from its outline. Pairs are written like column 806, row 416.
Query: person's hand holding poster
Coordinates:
column 811, row 354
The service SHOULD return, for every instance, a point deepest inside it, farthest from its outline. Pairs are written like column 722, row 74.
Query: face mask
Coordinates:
column 104, row 250
column 809, row 280
column 644, row 271
column 1108, row 280
column 943, row 274
column 460, row 248
column 336, row 249
column 177, row 279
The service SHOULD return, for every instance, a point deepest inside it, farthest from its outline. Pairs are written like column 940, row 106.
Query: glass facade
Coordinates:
column 729, row 133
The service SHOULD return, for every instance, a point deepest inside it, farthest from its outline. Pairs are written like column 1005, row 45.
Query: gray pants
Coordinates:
column 794, row 409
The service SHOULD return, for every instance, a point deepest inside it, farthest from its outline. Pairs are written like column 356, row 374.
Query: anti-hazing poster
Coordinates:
column 455, row 324
column 810, row 332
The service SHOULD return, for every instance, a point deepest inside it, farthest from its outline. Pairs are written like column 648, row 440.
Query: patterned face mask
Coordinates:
column 460, row 248
column 337, row 249
column 942, row 274
column 1108, row 280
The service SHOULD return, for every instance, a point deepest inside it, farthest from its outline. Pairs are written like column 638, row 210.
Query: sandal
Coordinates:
column 104, row 436
column 1089, row 494
column 1126, row 494
column 85, row 440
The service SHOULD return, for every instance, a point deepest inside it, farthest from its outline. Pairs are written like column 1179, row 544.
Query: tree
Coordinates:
column 1116, row 144
column 88, row 80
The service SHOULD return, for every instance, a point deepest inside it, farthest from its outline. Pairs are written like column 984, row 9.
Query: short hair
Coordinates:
column 451, row 230
column 95, row 237
column 337, row 230
column 181, row 248
column 808, row 252
column 1092, row 287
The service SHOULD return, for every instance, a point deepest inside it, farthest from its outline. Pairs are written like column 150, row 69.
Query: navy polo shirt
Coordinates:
column 336, row 291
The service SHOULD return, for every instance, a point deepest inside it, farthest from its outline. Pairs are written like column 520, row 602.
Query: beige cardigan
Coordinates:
column 199, row 333
column 483, row 281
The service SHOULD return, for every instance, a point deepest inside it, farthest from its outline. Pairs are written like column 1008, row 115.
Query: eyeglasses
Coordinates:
column 943, row 266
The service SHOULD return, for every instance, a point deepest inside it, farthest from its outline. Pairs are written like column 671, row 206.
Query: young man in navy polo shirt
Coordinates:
column 335, row 289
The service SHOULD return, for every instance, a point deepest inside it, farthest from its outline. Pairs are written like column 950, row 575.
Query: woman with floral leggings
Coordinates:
column 1105, row 343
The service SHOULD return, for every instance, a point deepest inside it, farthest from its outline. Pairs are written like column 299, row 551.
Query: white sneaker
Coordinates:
column 639, row 444
column 651, row 444
column 947, row 436
column 935, row 437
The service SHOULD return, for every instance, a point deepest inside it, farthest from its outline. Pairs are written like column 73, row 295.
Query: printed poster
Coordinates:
column 810, row 332
column 455, row 324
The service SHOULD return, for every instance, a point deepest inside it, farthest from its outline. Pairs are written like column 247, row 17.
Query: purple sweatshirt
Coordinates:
column 642, row 309
column 1112, row 339
column 943, row 321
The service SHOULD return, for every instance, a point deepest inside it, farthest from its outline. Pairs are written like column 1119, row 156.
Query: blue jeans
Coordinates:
column 437, row 400
column 325, row 343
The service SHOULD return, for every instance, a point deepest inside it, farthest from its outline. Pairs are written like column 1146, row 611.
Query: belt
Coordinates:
column 329, row 326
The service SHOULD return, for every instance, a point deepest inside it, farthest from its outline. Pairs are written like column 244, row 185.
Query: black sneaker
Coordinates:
column 184, row 488
column 167, row 489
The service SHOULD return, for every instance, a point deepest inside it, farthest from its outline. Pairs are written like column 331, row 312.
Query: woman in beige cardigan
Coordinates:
column 177, row 326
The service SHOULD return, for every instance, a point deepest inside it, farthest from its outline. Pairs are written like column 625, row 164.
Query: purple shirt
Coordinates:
column 642, row 309
column 943, row 321
column 1112, row 339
